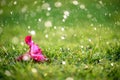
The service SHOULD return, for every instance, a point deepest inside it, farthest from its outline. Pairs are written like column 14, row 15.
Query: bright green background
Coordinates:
column 90, row 50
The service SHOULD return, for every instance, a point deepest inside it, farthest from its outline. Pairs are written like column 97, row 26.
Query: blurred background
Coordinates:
column 80, row 37
column 37, row 13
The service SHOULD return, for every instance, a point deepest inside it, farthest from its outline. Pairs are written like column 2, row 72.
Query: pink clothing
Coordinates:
column 34, row 53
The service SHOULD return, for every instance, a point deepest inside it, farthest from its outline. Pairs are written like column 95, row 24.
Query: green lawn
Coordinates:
column 86, row 46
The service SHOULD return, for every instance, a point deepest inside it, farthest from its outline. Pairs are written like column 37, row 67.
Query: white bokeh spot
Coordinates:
column 48, row 24
column 58, row 4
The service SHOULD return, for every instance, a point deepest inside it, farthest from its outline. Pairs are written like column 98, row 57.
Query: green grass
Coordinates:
column 87, row 53
column 80, row 48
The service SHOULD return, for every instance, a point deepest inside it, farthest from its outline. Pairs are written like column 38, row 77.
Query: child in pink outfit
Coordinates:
column 34, row 53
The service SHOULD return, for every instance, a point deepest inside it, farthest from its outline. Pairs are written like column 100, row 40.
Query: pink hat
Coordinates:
column 28, row 39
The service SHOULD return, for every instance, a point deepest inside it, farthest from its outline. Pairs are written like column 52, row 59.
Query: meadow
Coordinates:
column 81, row 38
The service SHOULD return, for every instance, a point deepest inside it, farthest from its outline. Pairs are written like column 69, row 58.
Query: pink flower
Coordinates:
column 34, row 53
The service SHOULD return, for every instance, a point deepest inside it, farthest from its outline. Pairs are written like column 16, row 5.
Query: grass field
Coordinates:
column 81, row 39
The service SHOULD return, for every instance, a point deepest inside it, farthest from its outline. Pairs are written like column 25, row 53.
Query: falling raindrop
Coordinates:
column 24, row 9
column 32, row 32
column 39, row 19
column 75, row 35
column 100, row 2
column 62, row 29
column 82, row 6
column 15, row 2
column 45, row 6
column 91, row 24
column 47, row 14
column 28, row 27
column 112, row 64
column 48, row 24
column 64, row 16
column 62, row 37
column 35, row 2
column 95, row 28
column 89, row 16
column 55, row 27
column 11, row 12
column 13, row 47
column 63, row 62
column 107, row 42
column 75, row 2
column 66, row 13
column 63, row 20
column 34, row 70
column 46, row 36
column 89, row 40
column 58, row 4
column 22, row 43
column 49, row 8
column 82, row 46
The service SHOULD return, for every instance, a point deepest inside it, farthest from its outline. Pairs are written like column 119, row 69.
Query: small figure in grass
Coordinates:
column 35, row 53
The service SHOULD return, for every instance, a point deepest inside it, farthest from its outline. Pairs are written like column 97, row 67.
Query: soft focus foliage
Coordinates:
column 81, row 38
